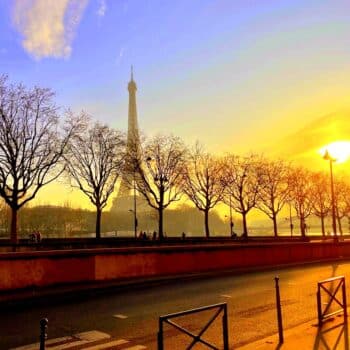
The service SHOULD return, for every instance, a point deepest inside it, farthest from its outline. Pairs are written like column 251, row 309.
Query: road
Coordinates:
column 132, row 316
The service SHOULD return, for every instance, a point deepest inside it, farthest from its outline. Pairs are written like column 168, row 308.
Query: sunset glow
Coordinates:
column 340, row 150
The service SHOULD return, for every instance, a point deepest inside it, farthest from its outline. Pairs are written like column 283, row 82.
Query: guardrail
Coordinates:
column 197, row 338
column 337, row 283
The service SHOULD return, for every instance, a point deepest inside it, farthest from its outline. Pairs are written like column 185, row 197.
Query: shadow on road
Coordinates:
column 332, row 336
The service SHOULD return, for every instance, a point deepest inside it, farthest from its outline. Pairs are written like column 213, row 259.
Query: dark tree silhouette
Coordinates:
column 274, row 189
column 321, row 201
column 203, row 182
column 242, row 182
column 95, row 162
column 301, row 183
column 32, row 144
column 160, row 173
column 341, row 194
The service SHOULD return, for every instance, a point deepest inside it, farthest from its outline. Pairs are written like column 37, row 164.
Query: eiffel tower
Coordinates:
column 133, row 138
column 127, row 201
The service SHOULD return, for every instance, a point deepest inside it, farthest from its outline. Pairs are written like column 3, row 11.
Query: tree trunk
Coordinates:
column 322, row 226
column 13, row 228
column 339, row 221
column 160, row 223
column 302, row 226
column 206, row 222
column 245, row 229
column 340, row 226
column 98, row 222
column 274, row 219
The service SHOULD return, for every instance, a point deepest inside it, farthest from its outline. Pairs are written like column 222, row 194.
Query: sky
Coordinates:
column 237, row 75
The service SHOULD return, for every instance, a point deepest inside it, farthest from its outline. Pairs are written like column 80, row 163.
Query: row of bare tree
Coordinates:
column 167, row 169
column 37, row 146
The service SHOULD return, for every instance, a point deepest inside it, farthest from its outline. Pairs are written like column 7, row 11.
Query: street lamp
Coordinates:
column 135, row 221
column 134, row 210
column 327, row 156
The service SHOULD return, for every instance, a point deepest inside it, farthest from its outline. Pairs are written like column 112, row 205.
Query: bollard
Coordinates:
column 43, row 334
column 279, row 311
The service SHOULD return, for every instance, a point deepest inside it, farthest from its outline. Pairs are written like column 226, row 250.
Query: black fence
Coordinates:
column 331, row 287
column 220, row 309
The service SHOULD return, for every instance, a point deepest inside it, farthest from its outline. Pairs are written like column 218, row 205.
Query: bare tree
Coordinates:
column 301, row 183
column 32, row 144
column 203, row 182
column 160, row 173
column 94, row 163
column 320, row 197
column 341, row 194
column 242, row 182
column 274, row 189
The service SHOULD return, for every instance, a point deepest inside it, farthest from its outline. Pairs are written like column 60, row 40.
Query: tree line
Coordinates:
column 38, row 144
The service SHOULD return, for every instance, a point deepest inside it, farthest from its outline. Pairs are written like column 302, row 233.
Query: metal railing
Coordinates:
column 197, row 338
column 336, row 283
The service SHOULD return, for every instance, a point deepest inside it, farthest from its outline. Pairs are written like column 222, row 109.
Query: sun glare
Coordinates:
column 340, row 150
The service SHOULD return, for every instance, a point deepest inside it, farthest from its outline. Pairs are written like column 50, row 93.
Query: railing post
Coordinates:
column 319, row 305
column 225, row 328
column 160, row 335
column 279, row 311
column 344, row 300
column 43, row 334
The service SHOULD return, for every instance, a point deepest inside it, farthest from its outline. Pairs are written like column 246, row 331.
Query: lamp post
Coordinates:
column 135, row 208
column 327, row 156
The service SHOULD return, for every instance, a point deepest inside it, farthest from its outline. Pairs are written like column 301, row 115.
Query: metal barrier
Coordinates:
column 221, row 309
column 322, row 285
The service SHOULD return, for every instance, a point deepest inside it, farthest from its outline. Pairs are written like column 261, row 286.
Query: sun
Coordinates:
column 340, row 150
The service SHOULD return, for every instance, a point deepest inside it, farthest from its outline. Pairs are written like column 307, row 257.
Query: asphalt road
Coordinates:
column 133, row 315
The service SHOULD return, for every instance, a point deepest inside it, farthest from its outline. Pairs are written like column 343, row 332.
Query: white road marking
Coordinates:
column 70, row 345
column 107, row 345
column 92, row 336
column 57, row 340
column 78, row 339
column 123, row 317
column 226, row 296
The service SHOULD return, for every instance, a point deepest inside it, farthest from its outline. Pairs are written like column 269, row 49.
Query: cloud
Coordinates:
column 48, row 27
column 102, row 8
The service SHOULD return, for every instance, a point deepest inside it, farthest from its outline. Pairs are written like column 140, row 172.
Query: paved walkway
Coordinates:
column 333, row 335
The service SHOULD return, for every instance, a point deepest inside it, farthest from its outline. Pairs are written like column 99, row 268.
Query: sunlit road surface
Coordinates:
column 133, row 316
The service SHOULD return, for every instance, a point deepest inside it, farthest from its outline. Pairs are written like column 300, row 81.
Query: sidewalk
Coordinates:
column 333, row 335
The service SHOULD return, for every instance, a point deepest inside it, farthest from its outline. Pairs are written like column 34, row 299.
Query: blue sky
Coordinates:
column 233, row 74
